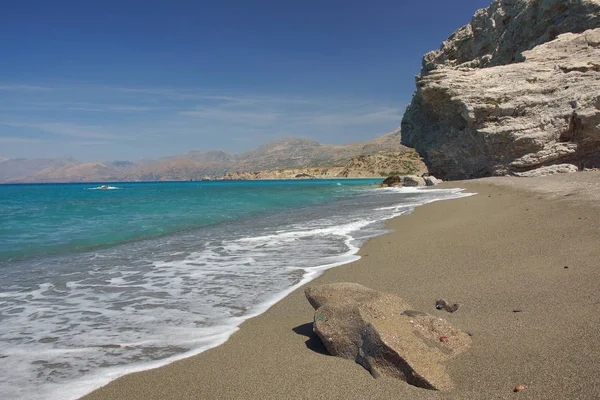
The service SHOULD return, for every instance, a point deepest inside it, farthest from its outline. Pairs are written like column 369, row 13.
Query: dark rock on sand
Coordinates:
column 443, row 305
column 432, row 180
column 381, row 332
column 412, row 180
column 390, row 181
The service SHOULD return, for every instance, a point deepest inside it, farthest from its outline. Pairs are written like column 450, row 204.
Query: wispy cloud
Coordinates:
column 31, row 105
column 250, row 99
column 29, row 88
column 234, row 116
column 113, row 108
column 161, row 93
column 166, row 120
column 260, row 111
column 91, row 143
column 67, row 129
column 10, row 139
column 355, row 117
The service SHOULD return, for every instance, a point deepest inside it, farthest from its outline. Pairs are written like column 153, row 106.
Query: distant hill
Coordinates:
column 121, row 164
column 73, row 172
column 284, row 158
column 303, row 153
column 17, row 168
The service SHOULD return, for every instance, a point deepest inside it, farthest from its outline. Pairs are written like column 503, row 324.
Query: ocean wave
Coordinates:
column 146, row 304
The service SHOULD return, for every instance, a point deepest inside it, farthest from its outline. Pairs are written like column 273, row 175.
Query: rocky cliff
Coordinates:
column 515, row 91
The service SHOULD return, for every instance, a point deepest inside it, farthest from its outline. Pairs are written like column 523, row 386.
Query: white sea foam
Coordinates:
column 143, row 305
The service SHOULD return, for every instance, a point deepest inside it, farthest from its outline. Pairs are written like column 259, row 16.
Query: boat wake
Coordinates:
column 104, row 187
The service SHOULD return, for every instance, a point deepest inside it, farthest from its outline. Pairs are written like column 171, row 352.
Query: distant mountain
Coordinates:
column 121, row 164
column 205, row 156
column 282, row 158
column 74, row 172
column 303, row 153
column 20, row 169
column 175, row 169
column 363, row 166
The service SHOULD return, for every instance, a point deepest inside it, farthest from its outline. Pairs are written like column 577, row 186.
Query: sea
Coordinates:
column 99, row 282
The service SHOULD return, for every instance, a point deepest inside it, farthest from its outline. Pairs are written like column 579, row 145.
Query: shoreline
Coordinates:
column 335, row 230
column 249, row 366
column 199, row 181
column 234, row 324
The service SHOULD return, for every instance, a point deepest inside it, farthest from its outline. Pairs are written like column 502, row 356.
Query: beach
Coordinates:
column 526, row 245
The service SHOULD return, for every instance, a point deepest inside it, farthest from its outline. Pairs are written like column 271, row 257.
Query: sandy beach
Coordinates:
column 520, row 244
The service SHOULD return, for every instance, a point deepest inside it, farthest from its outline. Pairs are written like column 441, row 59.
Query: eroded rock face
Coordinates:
column 498, row 34
column 381, row 333
column 413, row 180
column 518, row 89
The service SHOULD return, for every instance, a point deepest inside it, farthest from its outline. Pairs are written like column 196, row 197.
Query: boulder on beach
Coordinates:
column 390, row 181
column 432, row 180
column 413, row 180
column 549, row 170
column 381, row 332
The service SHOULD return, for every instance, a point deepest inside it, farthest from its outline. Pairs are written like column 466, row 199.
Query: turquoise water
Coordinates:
column 49, row 219
column 98, row 283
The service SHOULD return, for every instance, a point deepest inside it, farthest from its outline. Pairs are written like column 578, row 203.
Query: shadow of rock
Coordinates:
column 313, row 342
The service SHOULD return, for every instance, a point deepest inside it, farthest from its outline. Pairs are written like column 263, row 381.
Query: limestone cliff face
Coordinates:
column 516, row 90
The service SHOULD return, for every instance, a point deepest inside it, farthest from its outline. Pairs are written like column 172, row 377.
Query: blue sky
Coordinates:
column 126, row 80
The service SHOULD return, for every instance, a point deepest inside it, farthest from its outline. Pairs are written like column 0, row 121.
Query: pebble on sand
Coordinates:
column 519, row 388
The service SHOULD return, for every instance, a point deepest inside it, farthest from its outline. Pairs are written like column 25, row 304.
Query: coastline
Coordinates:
column 375, row 178
column 503, row 249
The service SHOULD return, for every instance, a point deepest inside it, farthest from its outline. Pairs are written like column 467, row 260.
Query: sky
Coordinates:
column 127, row 80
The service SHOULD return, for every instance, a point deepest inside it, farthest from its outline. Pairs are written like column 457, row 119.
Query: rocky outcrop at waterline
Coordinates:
column 410, row 181
column 391, row 181
column 414, row 181
column 516, row 90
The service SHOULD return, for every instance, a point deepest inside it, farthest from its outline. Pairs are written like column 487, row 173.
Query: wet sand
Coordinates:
column 505, row 249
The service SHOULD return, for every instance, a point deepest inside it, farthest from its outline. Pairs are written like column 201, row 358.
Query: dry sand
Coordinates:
column 502, row 250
